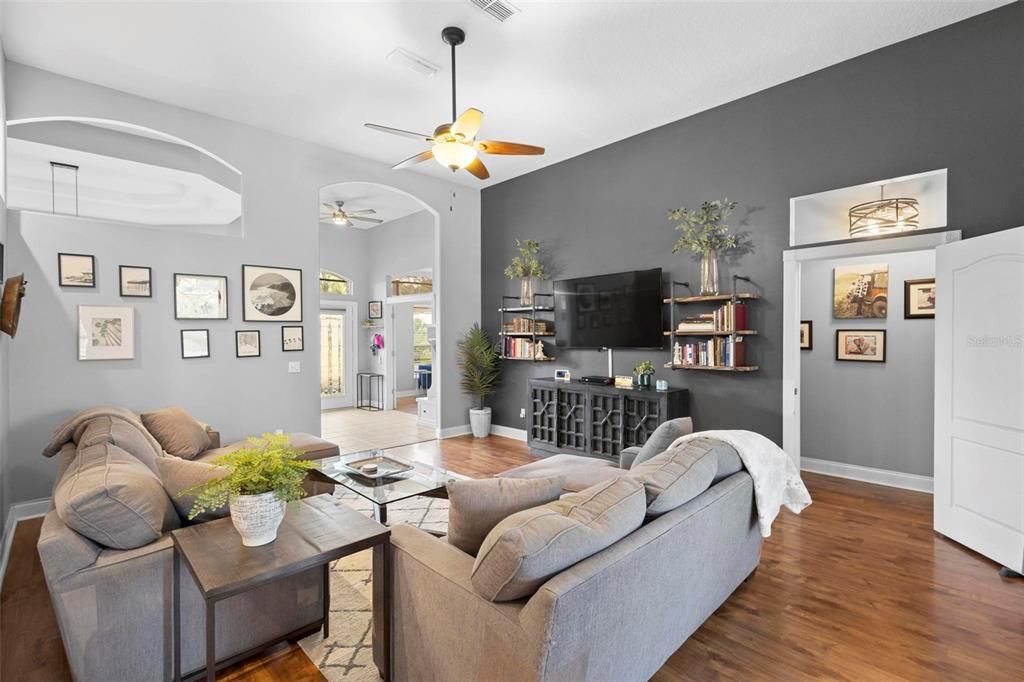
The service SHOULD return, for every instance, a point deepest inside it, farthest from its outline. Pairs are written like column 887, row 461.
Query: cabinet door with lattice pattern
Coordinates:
column 605, row 424
column 572, row 420
column 640, row 417
column 543, row 415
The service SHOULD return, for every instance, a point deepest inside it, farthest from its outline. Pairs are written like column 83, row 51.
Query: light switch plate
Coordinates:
column 294, row 367
column 522, row 413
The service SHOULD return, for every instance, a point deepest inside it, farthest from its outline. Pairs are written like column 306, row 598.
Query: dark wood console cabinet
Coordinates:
column 595, row 420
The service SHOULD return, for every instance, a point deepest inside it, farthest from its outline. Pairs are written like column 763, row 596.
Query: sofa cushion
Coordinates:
column 127, row 436
column 312, row 447
column 663, row 437
column 179, row 475
column 475, row 507
column 528, row 548
column 680, row 474
column 580, row 472
column 177, row 431
column 113, row 499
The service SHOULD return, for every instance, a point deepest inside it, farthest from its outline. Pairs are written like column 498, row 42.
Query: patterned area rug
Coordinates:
column 348, row 653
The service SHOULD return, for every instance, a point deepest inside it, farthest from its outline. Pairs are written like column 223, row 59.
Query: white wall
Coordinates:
column 4, row 340
column 281, row 178
column 869, row 414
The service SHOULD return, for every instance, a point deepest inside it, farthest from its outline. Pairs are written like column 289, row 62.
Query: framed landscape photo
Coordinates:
column 919, row 299
column 247, row 344
column 195, row 343
column 106, row 332
column 76, row 270
column 860, row 291
column 806, row 335
column 291, row 338
column 136, row 280
column 860, row 345
column 200, row 297
column 375, row 310
column 271, row 294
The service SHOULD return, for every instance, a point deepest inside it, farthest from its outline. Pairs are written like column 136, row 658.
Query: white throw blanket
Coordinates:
column 776, row 479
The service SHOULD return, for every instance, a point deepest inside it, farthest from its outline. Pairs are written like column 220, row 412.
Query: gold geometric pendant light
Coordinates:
column 884, row 216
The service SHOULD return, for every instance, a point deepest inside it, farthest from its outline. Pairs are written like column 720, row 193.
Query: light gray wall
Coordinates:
column 961, row 90
column 404, row 379
column 4, row 340
column 281, row 178
column 874, row 415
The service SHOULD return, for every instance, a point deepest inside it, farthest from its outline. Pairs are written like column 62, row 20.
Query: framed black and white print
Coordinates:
column 291, row 338
column 76, row 270
column 247, row 344
column 136, row 280
column 806, row 335
column 271, row 294
column 919, row 299
column 376, row 310
column 106, row 332
column 200, row 297
column 195, row 343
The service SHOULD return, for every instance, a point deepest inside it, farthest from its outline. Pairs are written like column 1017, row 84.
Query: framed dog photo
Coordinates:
column 271, row 294
column 195, row 343
column 136, row 280
column 106, row 332
column 806, row 335
column 76, row 270
column 919, row 299
column 291, row 338
column 860, row 345
column 247, row 344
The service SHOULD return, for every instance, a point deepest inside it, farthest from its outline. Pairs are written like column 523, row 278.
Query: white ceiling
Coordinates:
column 570, row 76
column 389, row 204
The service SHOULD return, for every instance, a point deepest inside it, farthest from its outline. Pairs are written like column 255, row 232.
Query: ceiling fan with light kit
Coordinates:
column 337, row 215
column 454, row 145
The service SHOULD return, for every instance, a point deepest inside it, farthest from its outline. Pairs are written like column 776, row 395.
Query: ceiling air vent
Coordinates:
column 498, row 9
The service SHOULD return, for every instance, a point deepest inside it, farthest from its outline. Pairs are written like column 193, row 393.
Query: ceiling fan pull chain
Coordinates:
column 455, row 110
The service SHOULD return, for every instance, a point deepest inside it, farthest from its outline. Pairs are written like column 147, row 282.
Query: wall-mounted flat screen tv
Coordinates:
column 622, row 310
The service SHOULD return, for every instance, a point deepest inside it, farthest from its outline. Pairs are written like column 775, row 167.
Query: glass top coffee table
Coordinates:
column 423, row 479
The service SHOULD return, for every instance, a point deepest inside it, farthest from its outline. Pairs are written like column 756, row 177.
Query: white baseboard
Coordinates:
column 453, row 431
column 408, row 394
column 508, row 432
column 893, row 479
column 18, row 512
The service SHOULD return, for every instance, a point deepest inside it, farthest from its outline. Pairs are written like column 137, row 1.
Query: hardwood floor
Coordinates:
column 858, row 587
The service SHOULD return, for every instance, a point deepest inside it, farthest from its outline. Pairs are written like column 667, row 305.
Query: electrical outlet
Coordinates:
column 294, row 367
column 522, row 413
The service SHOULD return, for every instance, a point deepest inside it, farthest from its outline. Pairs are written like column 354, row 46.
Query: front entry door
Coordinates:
column 336, row 357
column 979, row 395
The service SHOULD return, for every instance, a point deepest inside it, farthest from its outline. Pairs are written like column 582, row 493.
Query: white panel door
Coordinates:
column 979, row 395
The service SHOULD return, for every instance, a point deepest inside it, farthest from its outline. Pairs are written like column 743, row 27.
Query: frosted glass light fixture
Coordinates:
column 883, row 216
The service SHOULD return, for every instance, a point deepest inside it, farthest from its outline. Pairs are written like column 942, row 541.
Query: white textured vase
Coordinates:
column 480, row 422
column 256, row 517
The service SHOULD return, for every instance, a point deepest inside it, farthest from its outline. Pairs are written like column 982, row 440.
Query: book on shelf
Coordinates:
column 718, row 352
column 729, row 318
column 519, row 348
column 524, row 325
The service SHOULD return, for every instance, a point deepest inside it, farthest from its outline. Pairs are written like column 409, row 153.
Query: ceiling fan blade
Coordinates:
column 375, row 221
column 422, row 156
column 362, row 210
column 478, row 169
column 468, row 123
column 508, row 148
column 398, row 131
column 330, row 207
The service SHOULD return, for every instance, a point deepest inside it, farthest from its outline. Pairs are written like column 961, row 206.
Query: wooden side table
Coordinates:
column 315, row 532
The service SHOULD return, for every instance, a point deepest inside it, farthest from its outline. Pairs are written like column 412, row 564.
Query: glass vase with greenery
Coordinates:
column 526, row 267
column 643, row 371
column 704, row 232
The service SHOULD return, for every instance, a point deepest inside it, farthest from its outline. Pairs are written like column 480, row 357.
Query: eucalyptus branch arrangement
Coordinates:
column 267, row 464
column 526, row 263
column 703, row 230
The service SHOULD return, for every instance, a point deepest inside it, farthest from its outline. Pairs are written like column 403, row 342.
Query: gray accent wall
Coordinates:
column 281, row 179
column 878, row 415
column 951, row 99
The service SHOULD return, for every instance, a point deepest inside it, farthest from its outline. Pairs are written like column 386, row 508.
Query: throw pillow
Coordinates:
column 127, row 436
column 177, row 432
column 680, row 474
column 113, row 499
column 528, row 548
column 178, row 475
column 662, row 438
column 475, row 507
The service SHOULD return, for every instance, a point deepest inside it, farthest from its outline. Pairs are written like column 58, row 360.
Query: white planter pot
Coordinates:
column 256, row 517
column 480, row 420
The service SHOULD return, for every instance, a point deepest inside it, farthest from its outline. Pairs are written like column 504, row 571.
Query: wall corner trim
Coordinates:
column 893, row 479
column 453, row 431
column 19, row 512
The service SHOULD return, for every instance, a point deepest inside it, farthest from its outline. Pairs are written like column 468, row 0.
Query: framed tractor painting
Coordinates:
column 860, row 291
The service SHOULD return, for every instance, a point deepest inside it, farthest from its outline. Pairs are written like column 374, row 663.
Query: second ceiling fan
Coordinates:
column 454, row 145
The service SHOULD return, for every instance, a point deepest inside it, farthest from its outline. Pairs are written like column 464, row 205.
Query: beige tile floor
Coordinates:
column 354, row 430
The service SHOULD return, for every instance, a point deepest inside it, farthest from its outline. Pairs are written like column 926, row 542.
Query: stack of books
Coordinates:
column 702, row 324
column 729, row 318
column 522, row 325
column 718, row 352
column 519, row 348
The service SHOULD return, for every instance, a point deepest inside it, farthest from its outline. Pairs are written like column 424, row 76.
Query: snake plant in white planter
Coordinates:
column 265, row 476
column 478, row 362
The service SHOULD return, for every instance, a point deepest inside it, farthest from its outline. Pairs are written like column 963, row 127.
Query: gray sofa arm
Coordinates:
column 62, row 551
column 626, row 457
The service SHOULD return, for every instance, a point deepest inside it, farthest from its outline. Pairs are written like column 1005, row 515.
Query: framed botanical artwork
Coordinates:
column 806, row 334
column 76, row 270
column 271, row 294
column 136, row 280
column 106, row 332
column 860, row 345
column 200, row 297
column 247, row 344
column 376, row 310
column 291, row 338
column 860, row 291
column 195, row 343
column 919, row 299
